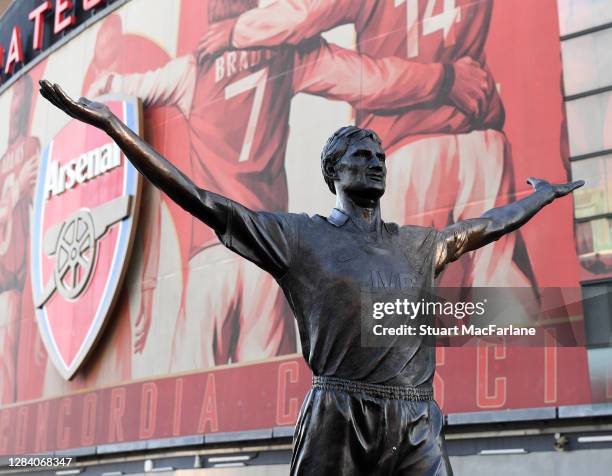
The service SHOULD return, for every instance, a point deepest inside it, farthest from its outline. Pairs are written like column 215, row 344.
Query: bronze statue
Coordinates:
column 371, row 409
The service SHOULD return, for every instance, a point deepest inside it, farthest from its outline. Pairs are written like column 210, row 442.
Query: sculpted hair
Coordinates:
column 338, row 144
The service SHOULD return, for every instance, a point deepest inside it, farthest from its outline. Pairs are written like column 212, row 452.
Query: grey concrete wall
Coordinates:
column 573, row 463
column 576, row 463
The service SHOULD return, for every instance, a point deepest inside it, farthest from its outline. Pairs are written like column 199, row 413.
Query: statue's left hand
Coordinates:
column 93, row 113
column 556, row 190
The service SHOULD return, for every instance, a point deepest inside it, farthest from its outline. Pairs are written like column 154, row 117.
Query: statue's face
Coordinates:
column 362, row 171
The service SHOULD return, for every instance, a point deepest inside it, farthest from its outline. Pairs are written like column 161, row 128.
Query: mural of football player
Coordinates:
column 237, row 105
column 459, row 136
column 18, row 169
column 118, row 52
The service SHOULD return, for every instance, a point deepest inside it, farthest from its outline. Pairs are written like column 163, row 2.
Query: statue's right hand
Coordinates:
column 94, row 113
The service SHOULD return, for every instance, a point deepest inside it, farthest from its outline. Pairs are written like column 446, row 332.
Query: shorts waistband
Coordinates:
column 420, row 393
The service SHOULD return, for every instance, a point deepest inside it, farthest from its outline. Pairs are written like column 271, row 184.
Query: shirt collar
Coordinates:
column 337, row 217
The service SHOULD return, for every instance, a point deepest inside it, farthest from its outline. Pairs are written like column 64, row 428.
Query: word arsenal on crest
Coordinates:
column 77, row 171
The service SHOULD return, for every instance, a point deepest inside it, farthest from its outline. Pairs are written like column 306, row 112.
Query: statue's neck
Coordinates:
column 365, row 213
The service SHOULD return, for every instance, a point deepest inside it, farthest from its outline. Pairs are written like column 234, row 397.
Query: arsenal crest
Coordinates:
column 85, row 212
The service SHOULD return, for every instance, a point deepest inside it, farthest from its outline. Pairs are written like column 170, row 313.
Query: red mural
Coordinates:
column 201, row 341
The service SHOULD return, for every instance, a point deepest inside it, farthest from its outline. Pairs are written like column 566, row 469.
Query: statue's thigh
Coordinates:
column 339, row 434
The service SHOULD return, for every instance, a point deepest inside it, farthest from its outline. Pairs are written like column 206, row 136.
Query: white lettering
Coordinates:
column 231, row 63
column 86, row 167
column 244, row 61
column 219, row 68
column 493, row 330
column 51, row 180
column 105, row 158
column 234, row 62
column 81, row 169
column 70, row 174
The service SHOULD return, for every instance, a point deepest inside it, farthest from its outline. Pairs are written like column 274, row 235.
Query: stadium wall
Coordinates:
column 195, row 348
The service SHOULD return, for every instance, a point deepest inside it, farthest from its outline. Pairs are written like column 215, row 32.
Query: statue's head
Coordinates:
column 353, row 162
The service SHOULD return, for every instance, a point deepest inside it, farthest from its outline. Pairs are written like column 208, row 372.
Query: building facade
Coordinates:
column 133, row 341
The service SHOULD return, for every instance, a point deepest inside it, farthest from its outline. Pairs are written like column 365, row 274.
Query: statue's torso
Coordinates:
column 334, row 267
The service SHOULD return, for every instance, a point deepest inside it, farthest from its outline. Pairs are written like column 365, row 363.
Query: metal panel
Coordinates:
column 264, row 434
column 283, row 431
column 173, row 442
column 529, row 414
column 122, row 447
column 589, row 410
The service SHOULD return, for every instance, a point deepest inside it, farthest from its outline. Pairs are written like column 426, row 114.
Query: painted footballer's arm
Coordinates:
column 466, row 83
column 325, row 69
column 281, row 22
column 469, row 235
column 171, row 85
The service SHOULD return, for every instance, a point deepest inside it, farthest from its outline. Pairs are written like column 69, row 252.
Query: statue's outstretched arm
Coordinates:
column 471, row 234
column 209, row 207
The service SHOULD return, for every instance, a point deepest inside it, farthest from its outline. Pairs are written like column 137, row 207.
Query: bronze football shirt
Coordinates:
column 324, row 265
